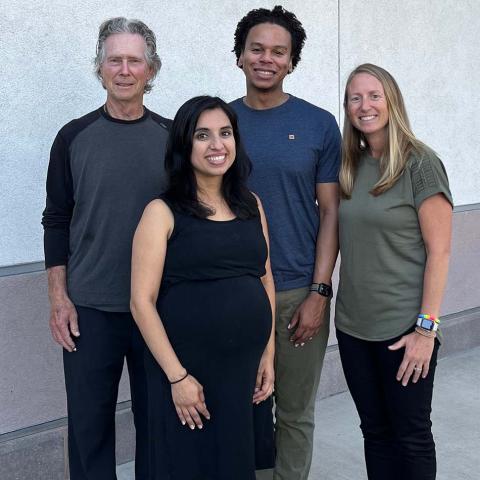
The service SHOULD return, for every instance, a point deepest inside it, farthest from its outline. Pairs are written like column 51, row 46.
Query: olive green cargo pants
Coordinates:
column 297, row 375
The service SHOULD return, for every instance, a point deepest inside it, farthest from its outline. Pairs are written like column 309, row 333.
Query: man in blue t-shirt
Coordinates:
column 295, row 150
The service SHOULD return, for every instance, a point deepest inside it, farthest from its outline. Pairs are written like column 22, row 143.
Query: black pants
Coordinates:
column 395, row 420
column 92, row 375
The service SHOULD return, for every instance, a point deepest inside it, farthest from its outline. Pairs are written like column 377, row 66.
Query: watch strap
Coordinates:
column 427, row 324
column 322, row 289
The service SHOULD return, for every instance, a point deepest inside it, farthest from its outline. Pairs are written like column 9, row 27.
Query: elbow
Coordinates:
column 268, row 283
column 329, row 212
column 439, row 249
column 439, row 254
column 140, row 307
column 135, row 309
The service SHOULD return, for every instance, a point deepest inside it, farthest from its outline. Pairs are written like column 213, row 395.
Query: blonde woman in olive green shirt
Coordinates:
column 395, row 229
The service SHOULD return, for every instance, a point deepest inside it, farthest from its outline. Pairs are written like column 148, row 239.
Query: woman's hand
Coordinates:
column 265, row 378
column 189, row 402
column 416, row 360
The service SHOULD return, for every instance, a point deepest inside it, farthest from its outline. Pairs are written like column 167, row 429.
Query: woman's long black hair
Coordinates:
column 182, row 185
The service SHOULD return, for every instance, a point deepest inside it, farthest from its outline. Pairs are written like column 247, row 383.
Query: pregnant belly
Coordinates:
column 230, row 314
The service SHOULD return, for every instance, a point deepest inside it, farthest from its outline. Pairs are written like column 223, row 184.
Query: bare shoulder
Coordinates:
column 157, row 208
column 157, row 215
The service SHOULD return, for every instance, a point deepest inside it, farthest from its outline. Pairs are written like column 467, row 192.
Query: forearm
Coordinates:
column 434, row 281
column 63, row 315
column 269, row 286
column 326, row 250
column 153, row 331
column 57, row 282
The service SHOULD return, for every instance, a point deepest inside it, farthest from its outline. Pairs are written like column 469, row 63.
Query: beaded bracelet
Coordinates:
column 180, row 379
column 425, row 333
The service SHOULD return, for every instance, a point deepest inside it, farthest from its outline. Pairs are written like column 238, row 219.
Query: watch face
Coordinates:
column 324, row 290
column 427, row 324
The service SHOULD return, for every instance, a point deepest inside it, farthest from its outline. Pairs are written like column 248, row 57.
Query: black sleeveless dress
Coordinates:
column 218, row 319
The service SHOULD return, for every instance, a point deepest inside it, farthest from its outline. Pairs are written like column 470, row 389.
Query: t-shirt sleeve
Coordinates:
column 330, row 155
column 429, row 177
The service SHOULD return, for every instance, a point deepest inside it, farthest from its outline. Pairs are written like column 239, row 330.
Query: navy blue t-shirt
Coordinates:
column 292, row 147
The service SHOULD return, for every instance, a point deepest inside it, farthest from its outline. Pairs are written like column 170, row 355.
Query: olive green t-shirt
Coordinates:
column 382, row 250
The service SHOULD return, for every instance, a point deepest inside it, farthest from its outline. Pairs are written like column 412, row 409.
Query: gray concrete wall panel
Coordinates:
column 463, row 286
column 41, row 452
column 461, row 331
column 37, row 456
column 31, row 373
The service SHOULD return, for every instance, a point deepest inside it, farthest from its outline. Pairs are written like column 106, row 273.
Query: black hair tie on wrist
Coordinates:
column 179, row 380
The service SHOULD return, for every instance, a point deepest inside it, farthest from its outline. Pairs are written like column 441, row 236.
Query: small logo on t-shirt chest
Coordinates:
column 291, row 136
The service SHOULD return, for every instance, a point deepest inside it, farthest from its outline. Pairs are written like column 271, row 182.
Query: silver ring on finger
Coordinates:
column 417, row 369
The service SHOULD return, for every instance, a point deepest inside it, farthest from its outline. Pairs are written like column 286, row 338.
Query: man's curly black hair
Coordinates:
column 278, row 16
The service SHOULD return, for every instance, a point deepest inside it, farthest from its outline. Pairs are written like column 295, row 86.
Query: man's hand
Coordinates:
column 63, row 316
column 63, row 322
column 308, row 318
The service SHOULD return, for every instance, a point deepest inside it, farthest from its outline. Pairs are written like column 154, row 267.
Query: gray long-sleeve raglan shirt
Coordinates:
column 102, row 173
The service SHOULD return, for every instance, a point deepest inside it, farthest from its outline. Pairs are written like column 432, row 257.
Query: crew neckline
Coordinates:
column 146, row 114
column 271, row 109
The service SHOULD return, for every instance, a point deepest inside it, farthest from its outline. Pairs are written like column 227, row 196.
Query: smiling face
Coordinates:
column 213, row 146
column 367, row 106
column 125, row 71
column 267, row 57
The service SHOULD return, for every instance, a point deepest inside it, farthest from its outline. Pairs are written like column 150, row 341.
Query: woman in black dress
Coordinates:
column 202, row 296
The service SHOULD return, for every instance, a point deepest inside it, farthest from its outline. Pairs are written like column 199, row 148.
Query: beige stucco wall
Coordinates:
column 431, row 46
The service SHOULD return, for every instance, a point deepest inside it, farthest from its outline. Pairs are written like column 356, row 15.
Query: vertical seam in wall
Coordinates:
column 338, row 62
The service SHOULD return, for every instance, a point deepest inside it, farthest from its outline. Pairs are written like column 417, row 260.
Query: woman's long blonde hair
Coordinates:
column 400, row 138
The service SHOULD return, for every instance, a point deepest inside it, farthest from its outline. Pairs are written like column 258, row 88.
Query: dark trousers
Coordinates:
column 395, row 420
column 92, row 375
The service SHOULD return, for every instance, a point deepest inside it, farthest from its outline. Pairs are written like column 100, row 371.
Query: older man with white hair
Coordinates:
column 104, row 168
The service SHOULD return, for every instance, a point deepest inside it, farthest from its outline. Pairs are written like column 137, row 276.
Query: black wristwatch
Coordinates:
column 322, row 289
